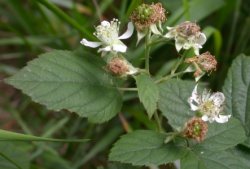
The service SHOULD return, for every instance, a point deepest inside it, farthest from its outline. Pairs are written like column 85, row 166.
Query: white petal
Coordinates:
column 222, row 118
column 195, row 96
column 200, row 76
column 119, row 48
column 154, row 29
column 105, row 49
column 205, row 118
column 196, row 51
column 178, row 45
column 132, row 70
column 105, row 23
column 91, row 44
column 129, row 31
column 169, row 28
column 140, row 36
column 201, row 39
column 193, row 107
column 169, row 35
column 218, row 98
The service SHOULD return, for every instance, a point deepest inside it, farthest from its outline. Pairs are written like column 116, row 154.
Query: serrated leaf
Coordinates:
column 223, row 136
column 237, row 90
column 173, row 101
column 13, row 156
column 64, row 80
column 148, row 93
column 145, row 147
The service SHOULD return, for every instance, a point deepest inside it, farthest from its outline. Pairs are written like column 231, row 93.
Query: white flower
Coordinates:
column 107, row 33
column 209, row 104
column 187, row 35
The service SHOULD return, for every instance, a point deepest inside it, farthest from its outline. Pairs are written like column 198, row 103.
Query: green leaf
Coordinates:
column 191, row 160
column 223, row 160
column 237, row 90
column 145, row 147
column 11, row 136
column 12, row 156
column 213, row 160
column 173, row 101
column 223, row 136
column 121, row 166
column 148, row 93
column 64, row 80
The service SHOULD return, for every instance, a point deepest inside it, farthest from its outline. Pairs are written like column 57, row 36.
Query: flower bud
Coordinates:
column 196, row 129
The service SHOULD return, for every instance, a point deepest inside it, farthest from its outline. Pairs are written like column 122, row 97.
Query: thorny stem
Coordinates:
column 147, row 51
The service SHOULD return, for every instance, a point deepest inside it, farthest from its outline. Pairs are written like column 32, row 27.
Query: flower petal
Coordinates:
column 154, row 29
column 132, row 70
column 91, row 44
column 222, row 118
column 105, row 49
column 169, row 35
column 129, row 32
column 119, row 48
column 195, row 96
column 218, row 98
column 196, row 51
column 140, row 36
column 178, row 45
column 205, row 118
column 201, row 39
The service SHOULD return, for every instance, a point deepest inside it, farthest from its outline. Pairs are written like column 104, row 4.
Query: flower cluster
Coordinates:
column 148, row 19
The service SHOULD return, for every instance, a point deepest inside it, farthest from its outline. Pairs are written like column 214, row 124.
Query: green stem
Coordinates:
column 178, row 63
column 158, row 121
column 147, row 51
column 66, row 18
column 165, row 78
column 127, row 89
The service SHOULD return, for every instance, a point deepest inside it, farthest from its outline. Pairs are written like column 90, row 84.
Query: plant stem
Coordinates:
column 127, row 89
column 147, row 51
column 165, row 78
column 158, row 121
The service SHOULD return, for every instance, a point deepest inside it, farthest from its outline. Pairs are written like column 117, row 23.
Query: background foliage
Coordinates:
column 32, row 27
